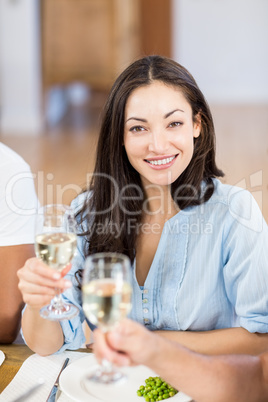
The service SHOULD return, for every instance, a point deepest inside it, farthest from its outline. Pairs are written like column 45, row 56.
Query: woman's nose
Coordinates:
column 159, row 143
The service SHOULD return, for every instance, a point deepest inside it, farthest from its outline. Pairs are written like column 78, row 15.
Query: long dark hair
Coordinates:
column 112, row 211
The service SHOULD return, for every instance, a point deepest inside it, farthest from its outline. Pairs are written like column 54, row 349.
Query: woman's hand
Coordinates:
column 129, row 343
column 37, row 282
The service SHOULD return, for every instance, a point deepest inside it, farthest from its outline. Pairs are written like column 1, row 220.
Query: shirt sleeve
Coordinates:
column 245, row 256
column 72, row 329
column 18, row 205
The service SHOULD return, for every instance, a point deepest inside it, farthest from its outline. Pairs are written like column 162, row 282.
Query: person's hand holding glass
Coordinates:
column 55, row 245
column 106, row 300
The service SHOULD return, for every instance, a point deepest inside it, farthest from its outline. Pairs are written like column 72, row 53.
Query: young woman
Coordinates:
column 197, row 247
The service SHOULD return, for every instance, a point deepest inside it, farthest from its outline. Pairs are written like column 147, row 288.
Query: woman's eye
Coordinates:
column 175, row 124
column 137, row 129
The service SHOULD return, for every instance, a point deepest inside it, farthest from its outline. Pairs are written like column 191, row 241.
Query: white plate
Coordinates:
column 2, row 357
column 72, row 384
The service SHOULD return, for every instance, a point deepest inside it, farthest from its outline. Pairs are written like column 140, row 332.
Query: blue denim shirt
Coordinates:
column 210, row 270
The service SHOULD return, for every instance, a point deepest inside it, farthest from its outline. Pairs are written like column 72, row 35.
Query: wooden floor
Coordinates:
column 63, row 155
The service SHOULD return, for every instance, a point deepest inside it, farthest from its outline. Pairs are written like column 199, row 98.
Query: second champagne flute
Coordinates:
column 55, row 245
column 106, row 300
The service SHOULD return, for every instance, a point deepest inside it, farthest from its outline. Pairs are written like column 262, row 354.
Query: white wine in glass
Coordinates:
column 106, row 300
column 55, row 245
column 56, row 249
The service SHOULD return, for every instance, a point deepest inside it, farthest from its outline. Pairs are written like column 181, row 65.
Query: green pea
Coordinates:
column 155, row 389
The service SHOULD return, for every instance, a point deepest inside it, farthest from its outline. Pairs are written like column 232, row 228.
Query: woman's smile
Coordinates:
column 161, row 162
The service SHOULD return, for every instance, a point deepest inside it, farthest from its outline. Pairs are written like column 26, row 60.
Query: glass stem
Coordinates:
column 107, row 367
column 57, row 299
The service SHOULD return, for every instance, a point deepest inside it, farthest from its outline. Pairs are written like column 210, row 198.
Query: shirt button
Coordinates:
column 145, row 300
column 146, row 320
column 145, row 291
column 145, row 310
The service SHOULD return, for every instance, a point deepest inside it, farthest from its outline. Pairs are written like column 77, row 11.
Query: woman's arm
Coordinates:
column 220, row 341
column 205, row 378
column 38, row 282
column 11, row 303
column 42, row 336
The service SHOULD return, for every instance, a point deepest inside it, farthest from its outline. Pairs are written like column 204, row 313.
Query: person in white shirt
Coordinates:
column 18, row 203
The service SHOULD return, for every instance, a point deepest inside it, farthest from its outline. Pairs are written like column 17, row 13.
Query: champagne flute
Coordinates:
column 106, row 300
column 55, row 245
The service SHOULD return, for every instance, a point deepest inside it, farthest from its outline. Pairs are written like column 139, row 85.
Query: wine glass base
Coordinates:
column 56, row 313
column 102, row 377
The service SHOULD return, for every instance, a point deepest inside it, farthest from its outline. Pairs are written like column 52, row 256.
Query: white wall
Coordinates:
column 224, row 44
column 20, row 71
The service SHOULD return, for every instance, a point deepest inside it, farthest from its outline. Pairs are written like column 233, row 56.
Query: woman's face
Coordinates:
column 159, row 133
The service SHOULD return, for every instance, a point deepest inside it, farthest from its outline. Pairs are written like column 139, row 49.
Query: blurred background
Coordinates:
column 58, row 59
